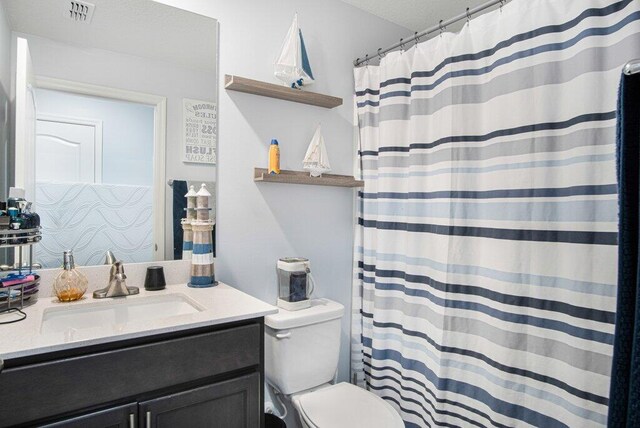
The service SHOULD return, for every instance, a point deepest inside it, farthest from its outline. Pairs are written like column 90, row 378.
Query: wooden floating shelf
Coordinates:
column 302, row 177
column 256, row 87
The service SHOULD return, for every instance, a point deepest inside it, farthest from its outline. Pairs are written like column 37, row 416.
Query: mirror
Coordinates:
column 114, row 117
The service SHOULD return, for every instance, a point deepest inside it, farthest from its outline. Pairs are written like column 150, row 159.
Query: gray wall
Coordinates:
column 5, row 103
column 6, row 120
column 258, row 223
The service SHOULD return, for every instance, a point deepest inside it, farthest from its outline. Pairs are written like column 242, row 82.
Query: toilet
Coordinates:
column 301, row 359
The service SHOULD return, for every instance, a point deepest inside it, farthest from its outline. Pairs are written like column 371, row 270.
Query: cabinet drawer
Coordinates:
column 72, row 384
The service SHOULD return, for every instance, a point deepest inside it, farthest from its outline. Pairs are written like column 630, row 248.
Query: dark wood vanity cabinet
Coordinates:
column 210, row 377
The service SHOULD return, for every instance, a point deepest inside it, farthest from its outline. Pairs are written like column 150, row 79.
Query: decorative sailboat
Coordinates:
column 316, row 159
column 292, row 66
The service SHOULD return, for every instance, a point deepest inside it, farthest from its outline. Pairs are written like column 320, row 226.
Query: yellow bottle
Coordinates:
column 274, row 157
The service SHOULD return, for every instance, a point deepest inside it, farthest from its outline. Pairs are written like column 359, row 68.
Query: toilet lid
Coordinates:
column 346, row 405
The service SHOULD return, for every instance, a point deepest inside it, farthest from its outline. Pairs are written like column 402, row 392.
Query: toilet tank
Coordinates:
column 302, row 347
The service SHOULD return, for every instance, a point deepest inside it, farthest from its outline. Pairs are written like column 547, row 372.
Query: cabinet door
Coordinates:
column 115, row 417
column 230, row 404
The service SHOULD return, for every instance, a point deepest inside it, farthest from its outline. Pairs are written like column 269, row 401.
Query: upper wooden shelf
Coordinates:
column 303, row 177
column 256, row 87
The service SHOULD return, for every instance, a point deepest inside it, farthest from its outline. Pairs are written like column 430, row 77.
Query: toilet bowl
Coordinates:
column 344, row 405
column 301, row 359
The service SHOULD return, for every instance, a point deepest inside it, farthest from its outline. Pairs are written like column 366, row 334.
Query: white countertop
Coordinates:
column 220, row 304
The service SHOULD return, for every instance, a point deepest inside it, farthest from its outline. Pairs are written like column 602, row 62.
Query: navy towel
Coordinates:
column 624, row 397
column 179, row 205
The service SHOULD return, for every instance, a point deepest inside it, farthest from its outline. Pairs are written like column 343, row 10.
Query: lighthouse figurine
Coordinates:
column 187, row 231
column 202, row 273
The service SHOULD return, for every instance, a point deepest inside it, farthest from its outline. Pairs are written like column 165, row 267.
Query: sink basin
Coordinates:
column 116, row 312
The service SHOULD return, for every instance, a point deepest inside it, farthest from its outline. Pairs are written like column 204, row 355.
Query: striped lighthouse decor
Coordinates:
column 187, row 231
column 187, row 239
column 202, row 273
column 191, row 203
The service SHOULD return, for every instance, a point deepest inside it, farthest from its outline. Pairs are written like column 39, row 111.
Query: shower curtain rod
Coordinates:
column 632, row 67
column 440, row 27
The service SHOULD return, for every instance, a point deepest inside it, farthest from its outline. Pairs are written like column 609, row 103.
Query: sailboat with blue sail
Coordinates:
column 292, row 66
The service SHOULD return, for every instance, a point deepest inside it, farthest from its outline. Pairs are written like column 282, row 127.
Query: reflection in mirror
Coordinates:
column 114, row 117
column 94, row 177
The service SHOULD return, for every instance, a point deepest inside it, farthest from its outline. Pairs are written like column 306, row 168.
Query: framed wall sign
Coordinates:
column 200, row 130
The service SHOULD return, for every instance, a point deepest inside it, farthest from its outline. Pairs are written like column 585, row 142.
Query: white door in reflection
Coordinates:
column 68, row 149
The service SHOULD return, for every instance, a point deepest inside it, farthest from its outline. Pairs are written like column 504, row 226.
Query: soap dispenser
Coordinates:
column 70, row 284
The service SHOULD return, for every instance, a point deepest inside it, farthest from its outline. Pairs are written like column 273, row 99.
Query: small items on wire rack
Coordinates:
column 19, row 288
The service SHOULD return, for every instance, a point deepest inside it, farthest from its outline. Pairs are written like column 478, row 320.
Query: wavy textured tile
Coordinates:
column 93, row 218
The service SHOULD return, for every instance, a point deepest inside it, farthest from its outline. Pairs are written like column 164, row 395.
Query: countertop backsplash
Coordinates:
column 175, row 272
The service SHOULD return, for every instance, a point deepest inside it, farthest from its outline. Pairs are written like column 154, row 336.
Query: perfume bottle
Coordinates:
column 70, row 284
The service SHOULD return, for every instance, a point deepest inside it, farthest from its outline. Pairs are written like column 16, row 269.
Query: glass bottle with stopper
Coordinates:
column 70, row 284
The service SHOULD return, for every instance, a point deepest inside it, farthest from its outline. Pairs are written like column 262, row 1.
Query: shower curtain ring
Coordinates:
column 366, row 60
column 416, row 37
column 502, row 2
column 468, row 16
column 441, row 27
column 401, row 46
column 379, row 54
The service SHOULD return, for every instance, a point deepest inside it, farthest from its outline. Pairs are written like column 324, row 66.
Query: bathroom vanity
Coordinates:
column 134, row 368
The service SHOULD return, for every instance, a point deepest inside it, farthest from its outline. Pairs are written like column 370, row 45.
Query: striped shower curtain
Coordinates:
column 485, row 292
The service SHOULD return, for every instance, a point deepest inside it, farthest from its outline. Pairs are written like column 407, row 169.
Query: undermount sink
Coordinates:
column 116, row 312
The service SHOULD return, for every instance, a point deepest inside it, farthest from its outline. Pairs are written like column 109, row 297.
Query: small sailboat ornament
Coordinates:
column 316, row 160
column 292, row 66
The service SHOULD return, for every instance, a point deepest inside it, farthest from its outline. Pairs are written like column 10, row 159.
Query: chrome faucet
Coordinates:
column 109, row 258
column 117, row 284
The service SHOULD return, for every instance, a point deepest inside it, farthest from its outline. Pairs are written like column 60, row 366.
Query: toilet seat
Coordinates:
column 344, row 405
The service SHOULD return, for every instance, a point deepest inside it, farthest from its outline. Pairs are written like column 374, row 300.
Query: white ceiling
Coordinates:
column 136, row 27
column 416, row 15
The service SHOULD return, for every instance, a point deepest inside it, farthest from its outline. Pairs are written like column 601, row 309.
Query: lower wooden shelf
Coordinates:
column 303, row 177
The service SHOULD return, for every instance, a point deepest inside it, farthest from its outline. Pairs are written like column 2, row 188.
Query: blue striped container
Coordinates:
column 202, row 272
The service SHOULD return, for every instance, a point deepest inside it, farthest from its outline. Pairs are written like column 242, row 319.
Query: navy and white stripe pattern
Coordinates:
column 486, row 254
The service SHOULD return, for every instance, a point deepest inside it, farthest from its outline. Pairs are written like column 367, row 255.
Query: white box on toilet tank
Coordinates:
column 302, row 347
